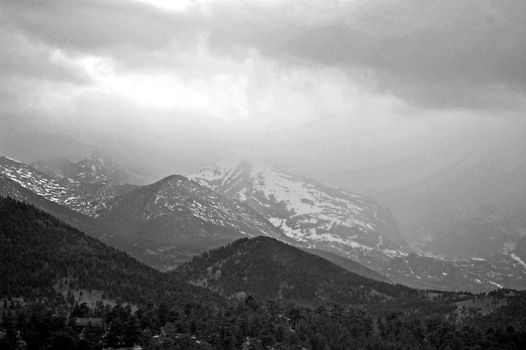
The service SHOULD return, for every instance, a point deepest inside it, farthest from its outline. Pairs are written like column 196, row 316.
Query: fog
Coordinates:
column 418, row 104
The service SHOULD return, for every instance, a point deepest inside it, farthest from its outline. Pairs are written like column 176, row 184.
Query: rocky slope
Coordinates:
column 177, row 211
column 90, row 199
column 162, row 224
column 154, row 254
column 183, row 220
column 310, row 213
column 475, row 275
column 97, row 169
column 12, row 189
column 328, row 219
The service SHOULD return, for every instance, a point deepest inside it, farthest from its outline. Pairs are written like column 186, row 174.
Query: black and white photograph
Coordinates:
column 262, row 174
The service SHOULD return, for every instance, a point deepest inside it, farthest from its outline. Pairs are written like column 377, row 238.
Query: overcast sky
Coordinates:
column 330, row 87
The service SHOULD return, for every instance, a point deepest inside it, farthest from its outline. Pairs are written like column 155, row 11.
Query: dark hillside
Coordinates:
column 38, row 251
column 267, row 268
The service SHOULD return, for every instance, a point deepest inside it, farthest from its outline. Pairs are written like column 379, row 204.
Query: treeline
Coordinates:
column 251, row 324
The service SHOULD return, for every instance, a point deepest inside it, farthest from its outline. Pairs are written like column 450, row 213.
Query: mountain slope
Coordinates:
column 90, row 199
column 39, row 254
column 164, row 225
column 349, row 265
column 146, row 251
column 97, row 169
column 188, row 221
column 267, row 268
column 312, row 214
column 177, row 210
column 475, row 275
column 10, row 188
column 42, row 258
column 327, row 219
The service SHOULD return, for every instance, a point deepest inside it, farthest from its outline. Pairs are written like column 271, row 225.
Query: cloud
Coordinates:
column 442, row 54
column 95, row 25
column 240, row 59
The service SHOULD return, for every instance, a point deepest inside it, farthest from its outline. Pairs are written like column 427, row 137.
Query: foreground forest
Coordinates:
column 64, row 290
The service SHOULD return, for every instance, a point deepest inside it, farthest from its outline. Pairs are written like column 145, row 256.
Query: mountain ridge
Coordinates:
column 96, row 169
column 398, row 263
column 215, row 220
column 313, row 214
column 90, row 199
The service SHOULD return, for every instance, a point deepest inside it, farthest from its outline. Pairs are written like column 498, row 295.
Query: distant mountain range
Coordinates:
column 97, row 169
column 166, row 223
column 90, row 199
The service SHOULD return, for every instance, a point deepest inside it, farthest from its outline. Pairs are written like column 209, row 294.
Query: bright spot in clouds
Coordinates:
column 170, row 5
column 252, row 88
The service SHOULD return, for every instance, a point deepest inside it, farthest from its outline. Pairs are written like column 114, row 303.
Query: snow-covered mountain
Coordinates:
column 319, row 216
column 97, row 169
column 312, row 214
column 161, row 224
column 176, row 211
column 168, row 222
column 90, row 199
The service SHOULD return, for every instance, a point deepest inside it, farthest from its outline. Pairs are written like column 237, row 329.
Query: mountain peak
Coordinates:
column 89, row 199
column 176, row 179
column 179, row 210
column 308, row 212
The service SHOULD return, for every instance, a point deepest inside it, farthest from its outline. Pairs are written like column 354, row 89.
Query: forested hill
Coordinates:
column 267, row 268
column 38, row 252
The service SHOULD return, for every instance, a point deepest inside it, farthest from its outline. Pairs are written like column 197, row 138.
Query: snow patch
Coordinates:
column 519, row 260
